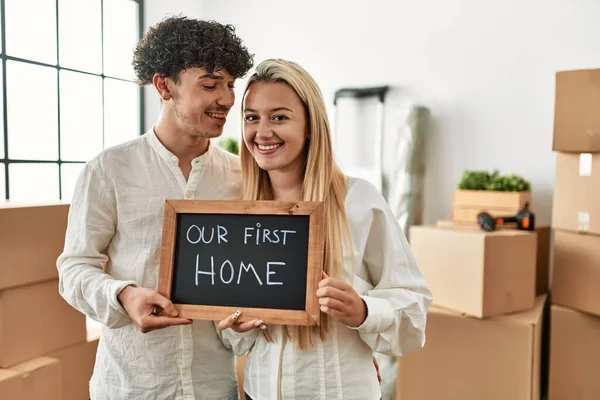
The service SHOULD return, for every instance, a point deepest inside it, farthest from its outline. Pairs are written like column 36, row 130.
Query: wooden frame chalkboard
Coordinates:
column 310, row 235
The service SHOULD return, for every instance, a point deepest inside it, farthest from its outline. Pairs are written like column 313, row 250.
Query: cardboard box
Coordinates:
column 576, row 280
column 574, row 355
column 542, row 259
column 480, row 273
column 240, row 363
column 33, row 380
column 544, row 233
column 576, row 192
column 11, row 384
column 576, row 111
column 466, row 204
column 31, row 239
column 35, row 320
column 77, row 365
column 468, row 358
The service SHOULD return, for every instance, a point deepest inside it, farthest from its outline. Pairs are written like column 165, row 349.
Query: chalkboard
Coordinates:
column 262, row 257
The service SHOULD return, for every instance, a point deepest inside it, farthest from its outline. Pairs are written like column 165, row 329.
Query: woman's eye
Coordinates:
column 249, row 118
column 279, row 117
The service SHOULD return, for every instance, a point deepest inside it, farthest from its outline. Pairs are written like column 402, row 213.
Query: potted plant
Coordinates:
column 499, row 195
column 230, row 144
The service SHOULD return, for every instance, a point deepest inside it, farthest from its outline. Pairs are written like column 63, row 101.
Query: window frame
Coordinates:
column 5, row 160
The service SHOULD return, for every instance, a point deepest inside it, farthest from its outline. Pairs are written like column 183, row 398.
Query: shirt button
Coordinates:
column 189, row 195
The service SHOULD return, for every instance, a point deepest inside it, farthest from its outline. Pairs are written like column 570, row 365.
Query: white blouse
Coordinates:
column 397, row 298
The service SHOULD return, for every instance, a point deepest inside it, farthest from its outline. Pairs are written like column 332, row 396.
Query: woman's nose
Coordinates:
column 263, row 129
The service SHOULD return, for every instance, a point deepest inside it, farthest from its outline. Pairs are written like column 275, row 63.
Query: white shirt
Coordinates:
column 397, row 297
column 116, row 216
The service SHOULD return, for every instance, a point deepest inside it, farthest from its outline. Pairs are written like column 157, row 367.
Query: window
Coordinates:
column 67, row 90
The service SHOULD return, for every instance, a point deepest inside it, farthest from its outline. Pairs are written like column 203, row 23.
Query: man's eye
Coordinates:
column 208, row 87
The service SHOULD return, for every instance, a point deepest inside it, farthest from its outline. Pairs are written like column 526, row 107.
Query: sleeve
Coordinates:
column 91, row 226
column 239, row 343
column 397, row 295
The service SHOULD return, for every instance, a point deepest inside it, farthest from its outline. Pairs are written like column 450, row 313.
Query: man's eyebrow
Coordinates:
column 271, row 110
column 211, row 76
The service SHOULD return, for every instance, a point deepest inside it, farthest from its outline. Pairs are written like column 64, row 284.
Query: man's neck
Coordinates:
column 184, row 146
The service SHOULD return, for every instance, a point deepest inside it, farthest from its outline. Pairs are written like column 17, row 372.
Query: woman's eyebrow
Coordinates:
column 271, row 110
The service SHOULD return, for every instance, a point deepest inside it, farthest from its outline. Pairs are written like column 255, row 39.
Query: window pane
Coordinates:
column 1, row 115
column 33, row 182
column 121, row 34
column 80, row 116
column 2, row 183
column 80, row 35
column 32, row 111
column 121, row 111
column 31, row 29
column 69, row 175
column 1, row 49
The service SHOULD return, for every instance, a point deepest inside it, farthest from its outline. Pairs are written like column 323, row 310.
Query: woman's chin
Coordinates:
column 269, row 166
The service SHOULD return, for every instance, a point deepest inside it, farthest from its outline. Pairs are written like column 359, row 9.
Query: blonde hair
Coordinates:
column 323, row 180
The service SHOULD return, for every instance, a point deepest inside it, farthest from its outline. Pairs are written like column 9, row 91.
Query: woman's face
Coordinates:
column 275, row 126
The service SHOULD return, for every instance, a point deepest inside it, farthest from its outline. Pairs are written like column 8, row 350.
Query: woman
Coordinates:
column 372, row 297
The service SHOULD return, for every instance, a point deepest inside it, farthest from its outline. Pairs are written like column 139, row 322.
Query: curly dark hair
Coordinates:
column 177, row 43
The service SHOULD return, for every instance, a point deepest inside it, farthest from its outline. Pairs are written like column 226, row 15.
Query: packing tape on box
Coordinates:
column 585, row 164
column 583, row 221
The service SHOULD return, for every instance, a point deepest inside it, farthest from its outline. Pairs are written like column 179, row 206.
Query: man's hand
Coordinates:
column 232, row 322
column 141, row 305
column 341, row 301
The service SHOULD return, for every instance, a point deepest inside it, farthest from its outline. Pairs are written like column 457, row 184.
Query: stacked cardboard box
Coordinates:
column 574, row 361
column 484, row 331
column 44, row 351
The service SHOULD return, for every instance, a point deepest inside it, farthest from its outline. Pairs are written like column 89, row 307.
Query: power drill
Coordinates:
column 525, row 220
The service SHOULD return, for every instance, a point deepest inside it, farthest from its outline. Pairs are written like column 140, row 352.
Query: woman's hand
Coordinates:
column 233, row 323
column 341, row 301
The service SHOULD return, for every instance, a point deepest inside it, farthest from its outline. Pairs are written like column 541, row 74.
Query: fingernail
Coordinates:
column 236, row 315
column 258, row 323
column 263, row 327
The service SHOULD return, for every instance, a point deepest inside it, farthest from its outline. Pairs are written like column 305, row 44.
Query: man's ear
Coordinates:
column 162, row 84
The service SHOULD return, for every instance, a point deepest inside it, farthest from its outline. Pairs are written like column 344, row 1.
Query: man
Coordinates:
column 116, row 218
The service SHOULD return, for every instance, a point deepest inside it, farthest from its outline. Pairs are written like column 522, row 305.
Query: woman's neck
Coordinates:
column 286, row 186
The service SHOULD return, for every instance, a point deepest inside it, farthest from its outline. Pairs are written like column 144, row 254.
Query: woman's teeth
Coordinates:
column 269, row 147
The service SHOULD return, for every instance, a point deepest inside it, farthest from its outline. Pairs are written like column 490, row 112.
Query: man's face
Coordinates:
column 202, row 100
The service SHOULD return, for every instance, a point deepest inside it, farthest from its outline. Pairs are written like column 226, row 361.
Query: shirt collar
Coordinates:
column 171, row 158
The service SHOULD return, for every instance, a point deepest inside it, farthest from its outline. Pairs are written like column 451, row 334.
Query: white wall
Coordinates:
column 484, row 68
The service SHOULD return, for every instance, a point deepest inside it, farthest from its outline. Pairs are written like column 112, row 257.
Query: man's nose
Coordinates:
column 226, row 98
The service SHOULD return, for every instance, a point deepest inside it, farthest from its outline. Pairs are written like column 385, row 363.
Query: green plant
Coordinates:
column 230, row 144
column 484, row 180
